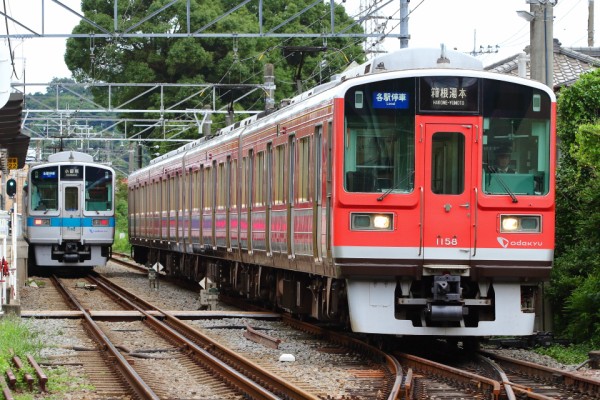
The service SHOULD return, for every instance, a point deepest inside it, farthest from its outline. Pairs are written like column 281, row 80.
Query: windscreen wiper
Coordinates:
column 380, row 198
column 507, row 189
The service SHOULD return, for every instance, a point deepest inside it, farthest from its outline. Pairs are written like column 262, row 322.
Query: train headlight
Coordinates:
column 520, row 223
column 382, row 221
column 371, row 222
column 41, row 222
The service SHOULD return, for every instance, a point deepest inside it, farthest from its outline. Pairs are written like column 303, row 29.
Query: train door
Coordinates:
column 447, row 193
column 72, row 210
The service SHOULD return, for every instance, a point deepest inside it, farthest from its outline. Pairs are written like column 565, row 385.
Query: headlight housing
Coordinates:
column 520, row 223
column 41, row 222
column 371, row 221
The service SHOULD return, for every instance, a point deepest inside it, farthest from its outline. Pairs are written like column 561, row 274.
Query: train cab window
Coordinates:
column 44, row 189
column 516, row 156
column 98, row 189
column 516, row 139
column 379, row 163
column 379, row 123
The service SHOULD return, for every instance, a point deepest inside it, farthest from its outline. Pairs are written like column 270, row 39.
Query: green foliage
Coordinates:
column 575, row 284
column 121, row 244
column 570, row 355
column 206, row 60
column 587, row 145
column 16, row 339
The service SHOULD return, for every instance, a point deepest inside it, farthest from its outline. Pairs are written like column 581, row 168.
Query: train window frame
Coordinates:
column 99, row 189
column 259, row 179
column 233, row 199
column 243, row 182
column 303, row 183
column 221, row 186
column 71, row 198
column 279, row 175
column 208, row 189
column 44, row 189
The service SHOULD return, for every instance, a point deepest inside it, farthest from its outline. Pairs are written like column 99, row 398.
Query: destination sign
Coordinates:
column 71, row 172
column 449, row 93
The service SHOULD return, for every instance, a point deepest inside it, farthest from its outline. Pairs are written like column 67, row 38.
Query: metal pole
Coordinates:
column 404, row 36
column 591, row 23
column 14, row 269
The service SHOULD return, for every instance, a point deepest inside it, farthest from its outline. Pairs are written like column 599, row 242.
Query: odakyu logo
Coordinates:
column 518, row 243
column 503, row 241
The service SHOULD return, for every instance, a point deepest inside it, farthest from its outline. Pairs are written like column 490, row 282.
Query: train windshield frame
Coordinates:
column 45, row 184
column 44, row 189
column 379, row 138
column 516, row 126
column 379, row 131
column 98, row 189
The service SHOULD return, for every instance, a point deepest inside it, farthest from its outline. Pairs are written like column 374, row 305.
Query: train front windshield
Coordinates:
column 98, row 189
column 379, row 140
column 45, row 188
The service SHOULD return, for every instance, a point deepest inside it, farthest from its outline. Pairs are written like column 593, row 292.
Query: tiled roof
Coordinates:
column 569, row 64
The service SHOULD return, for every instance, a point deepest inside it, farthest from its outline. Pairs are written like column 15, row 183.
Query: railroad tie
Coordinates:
column 11, row 378
column 7, row 394
column 42, row 378
column 27, row 376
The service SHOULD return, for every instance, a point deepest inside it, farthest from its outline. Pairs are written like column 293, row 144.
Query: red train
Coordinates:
column 413, row 195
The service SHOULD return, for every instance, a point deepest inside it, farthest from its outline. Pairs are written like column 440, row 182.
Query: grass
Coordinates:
column 18, row 338
column 573, row 354
column 121, row 244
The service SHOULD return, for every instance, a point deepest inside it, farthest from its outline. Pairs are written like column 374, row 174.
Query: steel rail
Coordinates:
column 180, row 331
column 140, row 387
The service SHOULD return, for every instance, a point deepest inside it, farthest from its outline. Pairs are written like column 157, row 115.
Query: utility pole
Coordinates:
column 404, row 36
column 591, row 23
column 542, row 41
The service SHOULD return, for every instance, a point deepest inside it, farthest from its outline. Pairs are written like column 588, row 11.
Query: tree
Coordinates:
column 575, row 284
column 204, row 60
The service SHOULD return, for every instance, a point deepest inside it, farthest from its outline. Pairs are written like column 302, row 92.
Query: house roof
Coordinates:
column 569, row 64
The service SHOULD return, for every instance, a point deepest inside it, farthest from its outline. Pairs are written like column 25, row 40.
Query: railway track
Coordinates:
column 367, row 373
column 532, row 381
column 93, row 298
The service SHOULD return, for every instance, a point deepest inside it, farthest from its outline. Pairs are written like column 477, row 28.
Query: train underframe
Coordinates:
column 70, row 253
column 434, row 305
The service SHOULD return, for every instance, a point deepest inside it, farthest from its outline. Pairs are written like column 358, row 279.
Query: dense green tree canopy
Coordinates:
column 575, row 289
column 206, row 60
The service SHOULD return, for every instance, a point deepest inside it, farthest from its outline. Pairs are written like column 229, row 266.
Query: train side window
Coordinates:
column 279, row 175
column 244, row 182
column 222, row 187
column 234, row 184
column 303, row 169
column 259, row 179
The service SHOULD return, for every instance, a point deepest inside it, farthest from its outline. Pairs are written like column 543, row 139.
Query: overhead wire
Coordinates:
column 12, row 56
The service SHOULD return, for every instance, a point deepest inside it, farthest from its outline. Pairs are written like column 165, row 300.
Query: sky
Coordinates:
column 459, row 24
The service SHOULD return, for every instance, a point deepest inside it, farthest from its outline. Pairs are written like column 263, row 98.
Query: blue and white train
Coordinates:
column 69, row 209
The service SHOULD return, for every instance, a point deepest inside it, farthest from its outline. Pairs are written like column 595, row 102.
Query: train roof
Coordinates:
column 413, row 62
column 70, row 156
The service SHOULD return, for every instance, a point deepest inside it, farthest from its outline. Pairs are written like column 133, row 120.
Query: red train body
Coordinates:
column 373, row 199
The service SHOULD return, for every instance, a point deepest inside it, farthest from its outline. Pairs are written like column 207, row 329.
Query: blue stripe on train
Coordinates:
column 71, row 222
